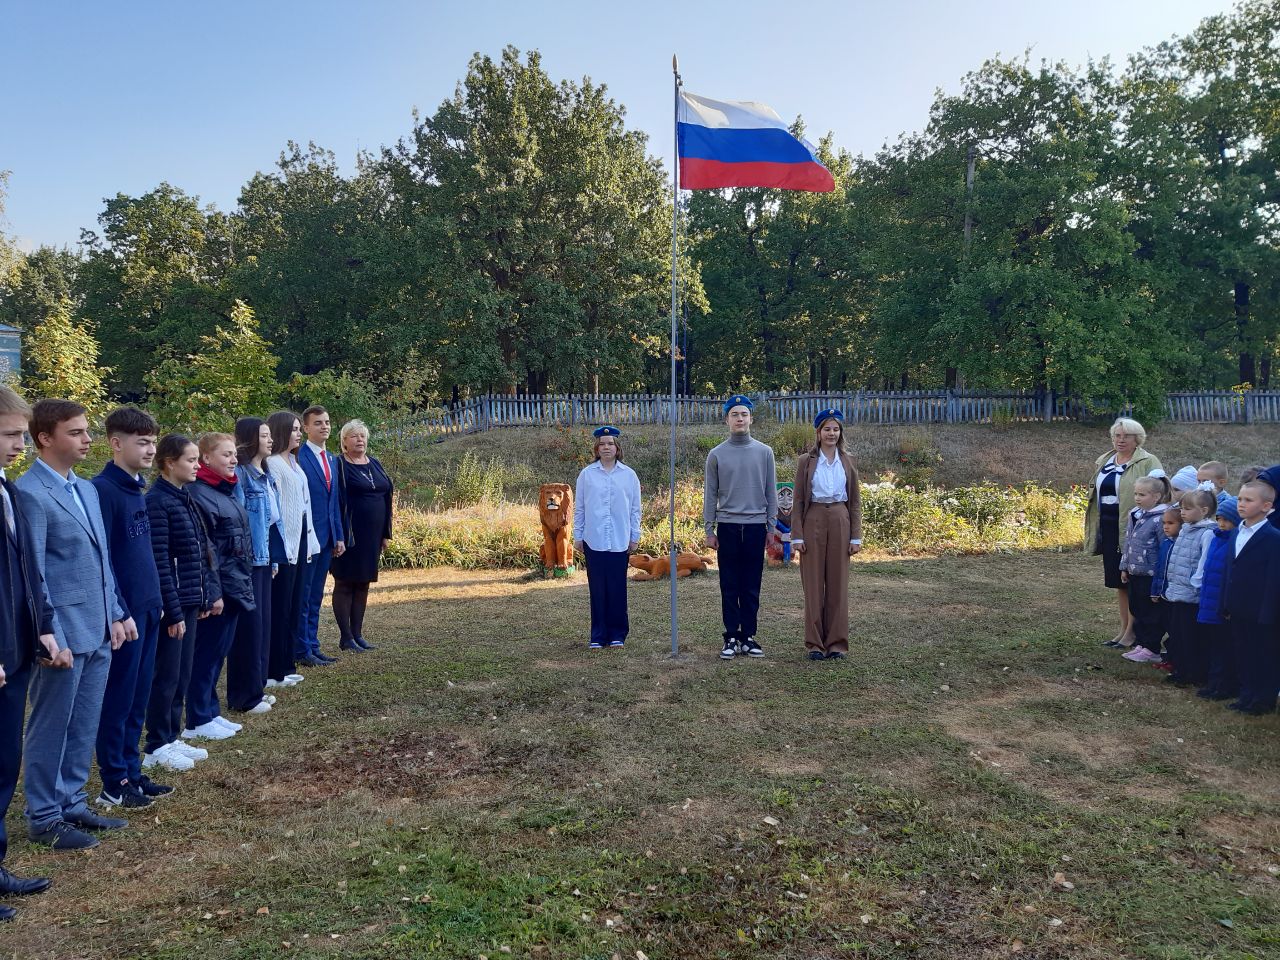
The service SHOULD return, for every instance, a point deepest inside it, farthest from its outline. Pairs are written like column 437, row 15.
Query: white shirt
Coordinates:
column 829, row 481
column 829, row 486
column 1245, row 532
column 606, row 507
column 8, row 505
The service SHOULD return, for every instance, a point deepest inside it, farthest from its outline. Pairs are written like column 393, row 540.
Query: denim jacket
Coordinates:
column 252, row 490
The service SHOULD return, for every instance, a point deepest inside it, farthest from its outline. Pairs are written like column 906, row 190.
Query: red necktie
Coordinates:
column 328, row 481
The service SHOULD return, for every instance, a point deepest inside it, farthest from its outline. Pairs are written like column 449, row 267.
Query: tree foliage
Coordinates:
column 61, row 361
column 1121, row 238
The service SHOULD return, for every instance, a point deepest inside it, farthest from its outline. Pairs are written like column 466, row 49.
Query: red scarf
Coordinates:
column 213, row 478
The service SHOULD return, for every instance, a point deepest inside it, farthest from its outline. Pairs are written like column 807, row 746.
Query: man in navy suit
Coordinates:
column 26, row 630
column 1251, row 599
column 321, row 468
column 73, row 556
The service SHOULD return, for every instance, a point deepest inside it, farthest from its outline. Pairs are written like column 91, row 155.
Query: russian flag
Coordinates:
column 732, row 143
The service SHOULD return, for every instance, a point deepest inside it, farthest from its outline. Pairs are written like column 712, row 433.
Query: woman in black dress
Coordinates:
column 366, row 489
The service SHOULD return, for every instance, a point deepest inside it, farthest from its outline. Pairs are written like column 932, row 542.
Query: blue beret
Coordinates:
column 606, row 432
column 832, row 414
column 738, row 400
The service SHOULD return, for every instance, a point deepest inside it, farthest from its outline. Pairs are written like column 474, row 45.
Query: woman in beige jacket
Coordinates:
column 826, row 530
column 1110, row 500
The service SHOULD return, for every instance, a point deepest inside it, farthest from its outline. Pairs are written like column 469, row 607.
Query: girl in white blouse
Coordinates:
column 293, row 550
column 606, row 528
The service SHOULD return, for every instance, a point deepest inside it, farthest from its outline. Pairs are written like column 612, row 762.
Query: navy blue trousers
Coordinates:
column 1223, row 680
column 1180, row 648
column 740, row 557
column 247, row 661
column 607, row 581
column 316, row 573
column 213, row 643
column 124, row 704
column 1148, row 624
column 1257, row 647
column 13, row 707
column 169, row 681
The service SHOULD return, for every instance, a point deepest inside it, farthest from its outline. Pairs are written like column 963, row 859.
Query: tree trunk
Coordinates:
column 825, row 370
column 1248, row 371
column 1264, row 374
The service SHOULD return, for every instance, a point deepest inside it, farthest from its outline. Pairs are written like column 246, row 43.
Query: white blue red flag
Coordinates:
column 732, row 143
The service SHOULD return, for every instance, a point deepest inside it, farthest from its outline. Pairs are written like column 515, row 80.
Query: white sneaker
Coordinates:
column 167, row 759
column 209, row 731
column 293, row 679
column 188, row 751
column 272, row 683
column 269, row 698
column 228, row 724
column 260, row 707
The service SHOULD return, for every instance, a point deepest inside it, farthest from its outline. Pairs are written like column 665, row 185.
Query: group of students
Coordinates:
column 123, row 601
column 1198, row 570
column 740, row 506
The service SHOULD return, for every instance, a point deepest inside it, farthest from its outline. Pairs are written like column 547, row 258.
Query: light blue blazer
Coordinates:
column 73, row 558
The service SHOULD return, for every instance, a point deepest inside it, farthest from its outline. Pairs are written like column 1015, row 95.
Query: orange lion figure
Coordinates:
column 555, row 508
column 655, row 568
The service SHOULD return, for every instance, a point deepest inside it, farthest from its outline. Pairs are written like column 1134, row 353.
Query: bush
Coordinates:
column 791, row 440
column 491, row 533
column 474, row 481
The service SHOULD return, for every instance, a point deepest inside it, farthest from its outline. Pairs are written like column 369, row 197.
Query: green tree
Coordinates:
column 301, row 236
column 783, row 282
column 153, row 278
column 232, row 374
column 1202, row 138
column 535, row 233
column 61, row 361
column 38, row 283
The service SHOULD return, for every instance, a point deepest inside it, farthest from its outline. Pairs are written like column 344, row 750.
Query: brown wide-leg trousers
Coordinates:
column 824, row 572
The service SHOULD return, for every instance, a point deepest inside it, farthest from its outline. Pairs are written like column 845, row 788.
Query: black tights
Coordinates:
column 350, row 597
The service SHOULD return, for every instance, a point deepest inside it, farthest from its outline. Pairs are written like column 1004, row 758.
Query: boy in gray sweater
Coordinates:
column 739, row 506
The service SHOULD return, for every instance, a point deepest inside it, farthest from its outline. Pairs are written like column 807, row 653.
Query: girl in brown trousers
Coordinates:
column 826, row 530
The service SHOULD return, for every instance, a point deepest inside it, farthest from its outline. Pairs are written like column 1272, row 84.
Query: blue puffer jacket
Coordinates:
column 252, row 489
column 181, row 550
column 1215, row 568
column 1184, row 558
column 1142, row 541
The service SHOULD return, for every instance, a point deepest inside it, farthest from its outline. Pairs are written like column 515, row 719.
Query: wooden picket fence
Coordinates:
column 862, row 406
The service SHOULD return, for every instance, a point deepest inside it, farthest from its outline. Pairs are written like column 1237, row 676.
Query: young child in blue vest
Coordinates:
column 1171, row 526
column 1182, row 594
column 1138, row 563
column 1218, row 652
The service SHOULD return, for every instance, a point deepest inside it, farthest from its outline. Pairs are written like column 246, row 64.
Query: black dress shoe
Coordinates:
column 7, row 913
column 12, row 886
column 88, row 820
column 364, row 644
column 835, row 655
column 816, row 655
column 311, row 660
column 326, row 658
column 350, row 645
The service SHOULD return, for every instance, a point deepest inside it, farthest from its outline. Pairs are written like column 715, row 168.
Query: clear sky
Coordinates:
column 114, row 97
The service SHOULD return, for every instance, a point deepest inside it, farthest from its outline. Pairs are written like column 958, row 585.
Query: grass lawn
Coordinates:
column 981, row 779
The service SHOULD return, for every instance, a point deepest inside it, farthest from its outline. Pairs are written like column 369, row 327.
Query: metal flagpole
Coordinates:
column 675, row 218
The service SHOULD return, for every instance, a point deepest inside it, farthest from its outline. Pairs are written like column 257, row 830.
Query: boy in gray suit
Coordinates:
column 71, row 551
